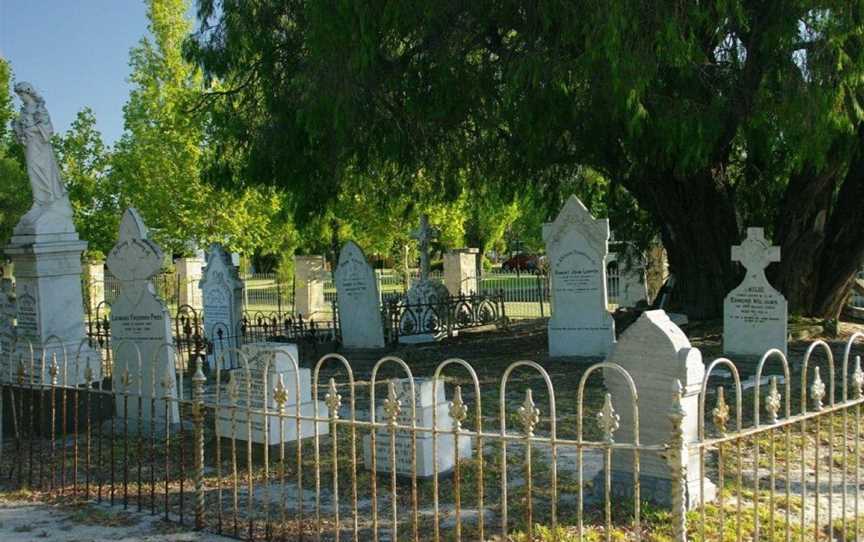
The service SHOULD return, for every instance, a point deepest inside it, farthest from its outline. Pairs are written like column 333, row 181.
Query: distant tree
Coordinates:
column 156, row 165
column 85, row 163
column 15, row 197
column 703, row 118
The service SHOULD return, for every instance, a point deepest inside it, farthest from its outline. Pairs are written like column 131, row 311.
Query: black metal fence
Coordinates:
column 443, row 317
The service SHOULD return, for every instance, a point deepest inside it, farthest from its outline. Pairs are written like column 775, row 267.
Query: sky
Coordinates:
column 76, row 54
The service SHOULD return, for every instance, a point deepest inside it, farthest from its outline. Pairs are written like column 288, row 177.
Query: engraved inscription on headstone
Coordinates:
column 357, row 291
column 140, row 318
column 577, row 245
column 267, row 362
column 754, row 313
column 425, row 404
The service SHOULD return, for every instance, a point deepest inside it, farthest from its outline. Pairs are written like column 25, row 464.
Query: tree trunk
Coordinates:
column 699, row 225
column 800, row 233
column 844, row 244
column 821, row 234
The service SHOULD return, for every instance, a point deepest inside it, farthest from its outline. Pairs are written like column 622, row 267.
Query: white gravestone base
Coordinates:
column 232, row 417
column 446, row 439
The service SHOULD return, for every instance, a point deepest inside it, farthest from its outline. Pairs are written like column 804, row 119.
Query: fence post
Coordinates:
column 198, row 380
column 676, row 457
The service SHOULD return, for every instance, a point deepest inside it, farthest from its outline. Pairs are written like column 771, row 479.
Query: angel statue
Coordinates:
column 34, row 130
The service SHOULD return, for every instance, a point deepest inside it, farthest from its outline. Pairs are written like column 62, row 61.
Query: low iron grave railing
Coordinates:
column 390, row 457
column 443, row 317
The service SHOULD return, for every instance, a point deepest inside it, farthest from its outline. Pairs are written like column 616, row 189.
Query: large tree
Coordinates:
column 156, row 164
column 713, row 116
column 15, row 196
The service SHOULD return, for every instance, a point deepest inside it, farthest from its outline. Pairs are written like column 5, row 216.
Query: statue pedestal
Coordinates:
column 50, row 315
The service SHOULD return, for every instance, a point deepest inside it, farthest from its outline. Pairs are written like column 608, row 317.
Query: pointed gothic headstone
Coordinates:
column 359, row 307
column 139, row 318
column 577, row 245
column 222, row 295
column 754, row 313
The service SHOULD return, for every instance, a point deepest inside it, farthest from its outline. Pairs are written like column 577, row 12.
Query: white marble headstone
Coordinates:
column 576, row 246
column 254, row 388
column 222, row 294
column 357, row 291
column 656, row 353
column 140, row 319
column 425, row 403
column 754, row 313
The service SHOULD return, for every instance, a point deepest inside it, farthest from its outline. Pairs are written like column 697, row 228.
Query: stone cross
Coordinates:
column 755, row 253
column 424, row 234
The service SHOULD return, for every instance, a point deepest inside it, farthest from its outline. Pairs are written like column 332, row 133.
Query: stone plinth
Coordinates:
column 309, row 286
column 255, row 386
column 189, row 272
column 50, row 308
column 426, row 404
column 460, row 271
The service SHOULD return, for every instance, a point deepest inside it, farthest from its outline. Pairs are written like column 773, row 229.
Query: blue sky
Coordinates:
column 76, row 53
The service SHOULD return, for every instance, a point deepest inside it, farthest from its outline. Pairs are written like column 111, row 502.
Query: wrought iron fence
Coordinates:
column 443, row 317
column 234, row 464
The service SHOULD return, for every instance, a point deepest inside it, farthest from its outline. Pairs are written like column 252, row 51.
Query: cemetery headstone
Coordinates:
column 460, row 271
column 138, row 317
column 252, row 391
column 309, row 286
column 46, row 253
column 426, row 402
column 754, row 313
column 576, row 246
column 420, row 322
column 357, row 291
column 656, row 353
column 222, row 295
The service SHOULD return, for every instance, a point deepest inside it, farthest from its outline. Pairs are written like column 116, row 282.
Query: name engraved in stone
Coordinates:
column 754, row 306
column 141, row 327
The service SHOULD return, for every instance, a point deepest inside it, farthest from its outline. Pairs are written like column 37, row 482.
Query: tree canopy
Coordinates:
column 702, row 118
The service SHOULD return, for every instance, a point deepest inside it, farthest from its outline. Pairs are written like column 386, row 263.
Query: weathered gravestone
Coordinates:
column 140, row 319
column 576, row 246
column 46, row 254
column 254, row 386
column 656, row 353
column 359, row 309
column 754, row 313
column 460, row 271
column 222, row 294
column 426, row 403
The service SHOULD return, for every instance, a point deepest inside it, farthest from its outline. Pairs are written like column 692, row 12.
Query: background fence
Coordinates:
column 526, row 294
column 784, row 455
